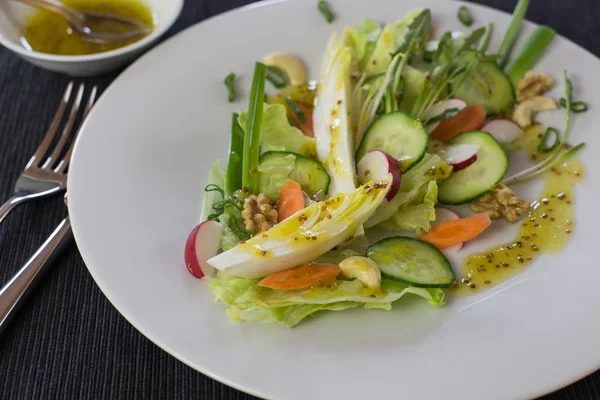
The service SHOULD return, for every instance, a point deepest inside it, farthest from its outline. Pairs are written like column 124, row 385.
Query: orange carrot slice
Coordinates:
column 307, row 126
column 302, row 277
column 290, row 200
column 453, row 232
column 468, row 119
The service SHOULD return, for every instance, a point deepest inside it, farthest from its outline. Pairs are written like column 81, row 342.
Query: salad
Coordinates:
column 403, row 125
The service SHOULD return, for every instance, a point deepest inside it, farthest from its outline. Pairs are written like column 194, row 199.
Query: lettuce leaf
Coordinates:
column 274, row 173
column 276, row 133
column 416, row 215
column 249, row 302
column 392, row 38
column 412, row 187
column 215, row 177
column 362, row 41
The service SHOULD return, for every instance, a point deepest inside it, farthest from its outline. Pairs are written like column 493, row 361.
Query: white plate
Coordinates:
column 134, row 190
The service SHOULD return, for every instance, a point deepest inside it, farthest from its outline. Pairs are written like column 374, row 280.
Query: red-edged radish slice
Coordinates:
column 202, row 243
column 377, row 164
column 504, row 130
column 441, row 106
column 459, row 156
column 443, row 214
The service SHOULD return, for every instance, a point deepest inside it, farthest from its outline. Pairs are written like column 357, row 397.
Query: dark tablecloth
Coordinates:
column 68, row 342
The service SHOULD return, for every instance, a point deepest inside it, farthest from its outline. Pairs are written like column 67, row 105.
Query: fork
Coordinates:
column 13, row 294
column 46, row 176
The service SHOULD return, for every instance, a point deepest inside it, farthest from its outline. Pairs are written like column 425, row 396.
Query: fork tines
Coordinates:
column 58, row 160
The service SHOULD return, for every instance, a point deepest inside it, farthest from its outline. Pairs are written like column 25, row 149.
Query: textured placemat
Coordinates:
column 68, row 342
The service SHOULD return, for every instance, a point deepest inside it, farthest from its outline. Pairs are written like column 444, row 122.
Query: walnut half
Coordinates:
column 501, row 202
column 258, row 214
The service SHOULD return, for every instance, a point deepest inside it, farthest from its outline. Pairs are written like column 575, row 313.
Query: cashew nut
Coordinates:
column 289, row 63
column 525, row 111
column 363, row 269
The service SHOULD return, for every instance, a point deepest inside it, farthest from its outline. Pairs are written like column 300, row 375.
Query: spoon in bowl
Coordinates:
column 83, row 22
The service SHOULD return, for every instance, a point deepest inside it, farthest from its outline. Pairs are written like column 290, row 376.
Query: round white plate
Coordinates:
column 135, row 188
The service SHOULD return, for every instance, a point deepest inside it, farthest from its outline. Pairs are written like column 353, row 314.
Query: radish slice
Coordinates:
column 459, row 156
column 443, row 214
column 504, row 130
column 377, row 164
column 440, row 107
column 202, row 243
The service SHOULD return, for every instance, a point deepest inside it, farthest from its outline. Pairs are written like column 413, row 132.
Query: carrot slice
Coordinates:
column 307, row 126
column 290, row 200
column 468, row 119
column 302, row 277
column 453, row 232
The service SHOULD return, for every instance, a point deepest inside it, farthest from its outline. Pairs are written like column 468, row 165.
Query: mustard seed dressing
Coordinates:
column 546, row 229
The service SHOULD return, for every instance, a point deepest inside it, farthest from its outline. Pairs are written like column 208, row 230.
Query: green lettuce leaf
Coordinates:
column 412, row 187
column 416, row 215
column 392, row 38
column 276, row 133
column 362, row 41
column 274, row 173
column 249, row 302
column 215, row 177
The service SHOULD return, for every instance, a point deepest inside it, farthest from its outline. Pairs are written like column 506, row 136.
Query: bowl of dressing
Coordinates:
column 46, row 40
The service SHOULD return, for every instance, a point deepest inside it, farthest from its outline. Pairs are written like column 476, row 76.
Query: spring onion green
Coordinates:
column 325, row 11
column 576, row 106
column 252, row 131
column 230, row 87
column 530, row 53
column 465, row 16
column 550, row 141
column 277, row 77
column 295, row 109
column 512, row 32
column 233, row 180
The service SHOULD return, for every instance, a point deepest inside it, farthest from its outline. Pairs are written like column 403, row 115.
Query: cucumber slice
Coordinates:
column 478, row 178
column 413, row 262
column 399, row 135
column 309, row 173
column 488, row 85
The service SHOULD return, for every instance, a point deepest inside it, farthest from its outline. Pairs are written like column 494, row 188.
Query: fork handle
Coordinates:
column 13, row 294
column 11, row 203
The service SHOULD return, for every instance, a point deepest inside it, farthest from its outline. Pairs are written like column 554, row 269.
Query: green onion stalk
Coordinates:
column 252, row 132
column 512, row 33
column 530, row 53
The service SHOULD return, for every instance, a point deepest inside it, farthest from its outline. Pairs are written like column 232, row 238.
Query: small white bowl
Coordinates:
column 165, row 12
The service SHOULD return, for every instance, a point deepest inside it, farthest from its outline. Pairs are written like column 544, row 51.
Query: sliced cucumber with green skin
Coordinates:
column 487, row 85
column 309, row 173
column 478, row 178
column 413, row 262
column 399, row 135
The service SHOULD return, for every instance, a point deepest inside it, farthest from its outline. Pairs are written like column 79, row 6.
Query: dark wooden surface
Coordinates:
column 68, row 342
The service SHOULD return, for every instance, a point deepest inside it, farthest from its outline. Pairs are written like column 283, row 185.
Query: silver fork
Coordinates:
column 44, row 177
column 13, row 294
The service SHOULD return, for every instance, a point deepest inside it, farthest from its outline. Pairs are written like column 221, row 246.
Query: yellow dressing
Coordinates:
column 49, row 33
column 546, row 229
